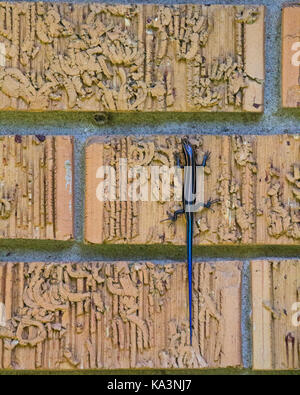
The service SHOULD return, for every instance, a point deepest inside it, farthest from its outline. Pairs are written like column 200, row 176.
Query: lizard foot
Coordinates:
column 210, row 202
column 205, row 158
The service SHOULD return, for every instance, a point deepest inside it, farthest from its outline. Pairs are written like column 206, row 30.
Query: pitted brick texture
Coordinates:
column 276, row 306
column 36, row 187
column 101, row 57
column 119, row 315
column 255, row 178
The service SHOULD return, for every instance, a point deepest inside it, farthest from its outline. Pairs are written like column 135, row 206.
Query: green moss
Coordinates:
column 104, row 119
column 144, row 252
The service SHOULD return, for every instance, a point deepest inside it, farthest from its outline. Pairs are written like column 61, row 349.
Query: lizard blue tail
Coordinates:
column 190, row 268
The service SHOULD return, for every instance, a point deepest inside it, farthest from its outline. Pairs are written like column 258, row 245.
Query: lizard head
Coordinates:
column 187, row 147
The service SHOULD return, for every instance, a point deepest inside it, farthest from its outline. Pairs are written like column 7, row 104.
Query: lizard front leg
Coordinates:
column 210, row 202
column 206, row 158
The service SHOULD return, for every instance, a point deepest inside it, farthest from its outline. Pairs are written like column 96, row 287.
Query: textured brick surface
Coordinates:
column 276, row 307
column 255, row 178
column 36, row 187
column 131, row 57
column 290, row 56
column 118, row 315
column 273, row 121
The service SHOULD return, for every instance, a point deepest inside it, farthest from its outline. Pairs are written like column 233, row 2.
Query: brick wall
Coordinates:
column 245, row 287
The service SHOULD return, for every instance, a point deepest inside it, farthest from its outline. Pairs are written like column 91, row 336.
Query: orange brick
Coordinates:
column 256, row 179
column 276, row 311
column 36, row 187
column 118, row 315
column 100, row 57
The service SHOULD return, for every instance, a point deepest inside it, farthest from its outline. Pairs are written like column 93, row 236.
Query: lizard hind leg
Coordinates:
column 173, row 216
column 177, row 160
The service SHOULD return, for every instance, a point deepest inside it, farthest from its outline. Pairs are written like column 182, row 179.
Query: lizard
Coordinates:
column 189, row 207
